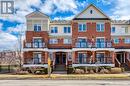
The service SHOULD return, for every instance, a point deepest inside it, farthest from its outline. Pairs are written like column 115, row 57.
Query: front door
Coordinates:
column 120, row 57
column 60, row 58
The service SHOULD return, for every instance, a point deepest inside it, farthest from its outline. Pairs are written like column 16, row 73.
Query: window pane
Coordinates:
column 116, row 40
column 69, row 30
column 65, row 29
column 98, row 27
column 113, row 30
column 80, row 27
column 84, row 27
column 102, row 27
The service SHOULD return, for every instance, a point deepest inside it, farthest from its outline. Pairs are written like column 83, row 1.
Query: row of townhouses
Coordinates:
column 91, row 38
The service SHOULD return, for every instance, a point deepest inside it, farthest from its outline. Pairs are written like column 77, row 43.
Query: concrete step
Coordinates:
column 59, row 68
column 59, row 72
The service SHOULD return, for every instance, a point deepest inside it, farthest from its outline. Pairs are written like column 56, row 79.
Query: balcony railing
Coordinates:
column 35, row 45
column 32, row 61
column 105, row 60
column 93, row 45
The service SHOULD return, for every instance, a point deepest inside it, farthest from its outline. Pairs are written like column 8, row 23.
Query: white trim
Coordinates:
column 59, row 50
column 82, row 37
column 36, row 37
column 96, row 65
column 100, row 37
column 35, row 49
column 36, row 65
column 119, row 50
column 93, row 49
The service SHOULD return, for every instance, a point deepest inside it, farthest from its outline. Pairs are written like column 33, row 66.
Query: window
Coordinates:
column 37, row 43
column 127, row 40
column 67, row 30
column 100, row 27
column 53, row 41
column 100, row 42
column 82, row 27
column 82, row 57
column 100, row 58
column 126, row 29
column 37, row 58
column 82, row 43
column 54, row 30
column 91, row 11
column 113, row 30
column 67, row 41
column 37, row 27
column 116, row 40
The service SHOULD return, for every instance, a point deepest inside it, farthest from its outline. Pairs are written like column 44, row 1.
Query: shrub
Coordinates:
column 116, row 70
column 70, row 70
column 91, row 71
column 79, row 71
column 104, row 71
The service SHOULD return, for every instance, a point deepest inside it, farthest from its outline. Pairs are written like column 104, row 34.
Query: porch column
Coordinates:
column 124, row 56
column 46, row 57
column 93, row 56
column 113, row 57
column 73, row 57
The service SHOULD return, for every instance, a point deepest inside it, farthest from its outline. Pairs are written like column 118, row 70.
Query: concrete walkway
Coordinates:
column 64, row 83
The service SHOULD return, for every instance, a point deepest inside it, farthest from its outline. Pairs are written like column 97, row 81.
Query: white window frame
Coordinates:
column 127, row 40
column 114, row 40
column 67, row 29
column 100, row 30
column 54, row 29
column 101, row 43
column 112, row 29
column 53, row 41
column 82, row 29
column 40, row 58
column 67, row 41
column 37, row 29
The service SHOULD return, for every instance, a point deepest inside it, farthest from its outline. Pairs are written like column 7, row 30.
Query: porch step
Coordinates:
column 59, row 72
column 60, row 68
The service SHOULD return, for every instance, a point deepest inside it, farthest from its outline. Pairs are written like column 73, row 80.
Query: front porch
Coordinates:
column 93, row 58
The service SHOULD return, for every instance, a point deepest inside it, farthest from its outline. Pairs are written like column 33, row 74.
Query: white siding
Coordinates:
column 95, row 14
column 120, row 30
column 60, row 30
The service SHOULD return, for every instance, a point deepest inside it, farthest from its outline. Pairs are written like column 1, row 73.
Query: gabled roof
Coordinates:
column 91, row 5
column 37, row 14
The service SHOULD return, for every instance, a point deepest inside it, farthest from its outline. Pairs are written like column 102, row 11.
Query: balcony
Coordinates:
column 35, row 45
column 93, row 45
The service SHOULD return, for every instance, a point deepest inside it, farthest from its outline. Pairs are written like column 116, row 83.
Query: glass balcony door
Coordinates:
column 37, row 43
column 100, row 42
column 82, row 42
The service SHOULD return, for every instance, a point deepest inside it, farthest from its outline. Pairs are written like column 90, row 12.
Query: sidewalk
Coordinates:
column 67, row 77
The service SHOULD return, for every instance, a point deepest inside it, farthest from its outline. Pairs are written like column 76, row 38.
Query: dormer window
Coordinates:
column 91, row 11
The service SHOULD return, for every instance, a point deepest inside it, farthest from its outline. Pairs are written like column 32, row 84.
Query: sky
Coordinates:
column 11, row 25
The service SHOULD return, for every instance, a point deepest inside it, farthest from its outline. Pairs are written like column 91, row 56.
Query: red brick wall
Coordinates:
column 31, row 34
column 29, row 55
column 121, row 44
column 60, row 44
column 91, row 31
